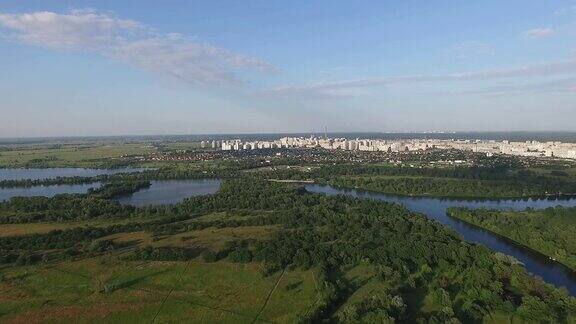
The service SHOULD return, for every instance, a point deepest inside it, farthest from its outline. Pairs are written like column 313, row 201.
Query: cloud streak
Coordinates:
column 538, row 33
column 130, row 42
column 339, row 89
column 558, row 85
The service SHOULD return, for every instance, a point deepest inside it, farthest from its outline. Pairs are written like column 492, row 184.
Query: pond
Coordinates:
column 435, row 208
column 168, row 192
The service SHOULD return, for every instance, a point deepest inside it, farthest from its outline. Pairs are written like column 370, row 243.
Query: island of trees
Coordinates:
column 549, row 231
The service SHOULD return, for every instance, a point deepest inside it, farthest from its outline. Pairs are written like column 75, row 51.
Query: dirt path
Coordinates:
column 269, row 296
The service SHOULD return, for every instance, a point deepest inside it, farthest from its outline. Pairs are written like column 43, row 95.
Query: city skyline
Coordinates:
column 532, row 148
column 99, row 68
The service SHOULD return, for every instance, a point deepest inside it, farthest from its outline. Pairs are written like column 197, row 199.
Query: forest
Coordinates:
column 496, row 181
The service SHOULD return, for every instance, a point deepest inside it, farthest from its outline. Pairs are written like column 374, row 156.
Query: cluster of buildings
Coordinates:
column 489, row 147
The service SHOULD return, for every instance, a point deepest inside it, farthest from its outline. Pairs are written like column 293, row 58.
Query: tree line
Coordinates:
column 549, row 231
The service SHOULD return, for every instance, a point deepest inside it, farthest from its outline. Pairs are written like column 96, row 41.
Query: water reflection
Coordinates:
column 169, row 192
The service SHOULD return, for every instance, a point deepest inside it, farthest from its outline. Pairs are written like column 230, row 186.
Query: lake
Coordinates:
column 435, row 208
column 167, row 192
column 48, row 173
column 46, row 191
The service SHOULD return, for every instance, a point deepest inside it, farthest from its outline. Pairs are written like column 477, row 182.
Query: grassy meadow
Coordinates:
column 70, row 155
column 111, row 288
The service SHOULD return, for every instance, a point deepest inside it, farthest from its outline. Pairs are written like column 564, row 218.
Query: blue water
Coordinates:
column 168, row 192
column 37, row 174
column 435, row 208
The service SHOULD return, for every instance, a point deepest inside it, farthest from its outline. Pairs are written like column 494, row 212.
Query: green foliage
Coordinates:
column 47, row 182
column 116, row 189
column 60, row 208
column 163, row 254
column 497, row 181
column 412, row 256
column 549, row 231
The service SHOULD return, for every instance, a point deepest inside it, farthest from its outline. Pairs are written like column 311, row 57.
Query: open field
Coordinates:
column 71, row 155
column 39, row 228
column 106, row 289
column 111, row 288
column 216, row 238
column 208, row 238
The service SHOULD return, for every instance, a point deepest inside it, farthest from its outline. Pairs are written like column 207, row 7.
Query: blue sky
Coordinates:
column 190, row 67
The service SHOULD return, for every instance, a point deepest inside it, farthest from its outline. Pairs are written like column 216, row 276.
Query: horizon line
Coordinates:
column 286, row 133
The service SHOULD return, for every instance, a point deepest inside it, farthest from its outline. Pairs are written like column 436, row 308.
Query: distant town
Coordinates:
column 489, row 147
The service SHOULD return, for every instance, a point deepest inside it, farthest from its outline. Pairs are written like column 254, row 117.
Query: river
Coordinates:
column 435, row 208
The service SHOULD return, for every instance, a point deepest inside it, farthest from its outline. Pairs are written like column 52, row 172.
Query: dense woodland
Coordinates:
column 441, row 187
column 549, row 231
column 497, row 181
column 47, row 182
column 411, row 256
column 147, row 175
column 72, row 207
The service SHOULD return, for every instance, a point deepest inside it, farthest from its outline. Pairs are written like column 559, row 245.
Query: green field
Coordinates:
column 106, row 289
column 39, row 228
column 71, row 155
column 110, row 288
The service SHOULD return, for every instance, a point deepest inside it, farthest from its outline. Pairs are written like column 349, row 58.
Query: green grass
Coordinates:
column 221, row 216
column 295, row 292
column 39, row 228
column 209, row 238
column 184, row 145
column 173, row 291
column 110, row 288
column 71, row 155
column 362, row 277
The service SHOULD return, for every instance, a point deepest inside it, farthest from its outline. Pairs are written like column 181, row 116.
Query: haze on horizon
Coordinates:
column 84, row 68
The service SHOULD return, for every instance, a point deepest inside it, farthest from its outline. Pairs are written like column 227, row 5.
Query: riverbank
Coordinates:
column 291, row 181
column 446, row 196
column 436, row 209
column 549, row 232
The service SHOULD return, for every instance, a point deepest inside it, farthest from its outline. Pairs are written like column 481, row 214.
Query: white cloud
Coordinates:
column 131, row 42
column 471, row 49
column 328, row 89
column 538, row 33
column 556, row 85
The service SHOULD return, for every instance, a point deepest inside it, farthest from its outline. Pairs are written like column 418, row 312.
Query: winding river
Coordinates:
column 435, row 208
